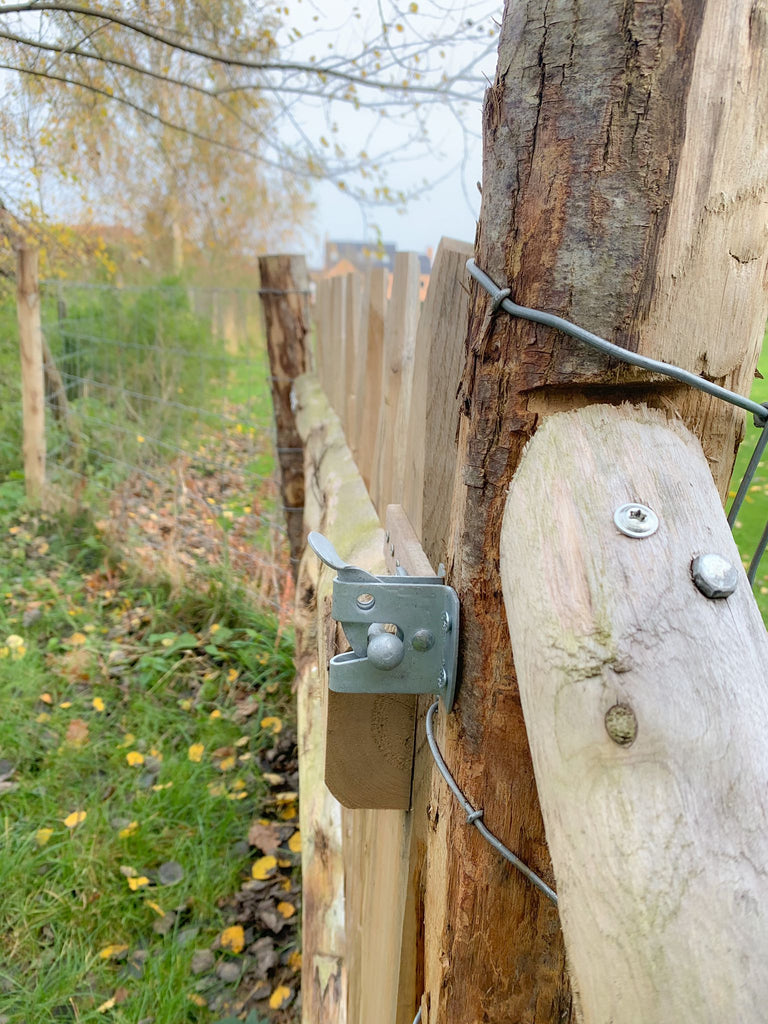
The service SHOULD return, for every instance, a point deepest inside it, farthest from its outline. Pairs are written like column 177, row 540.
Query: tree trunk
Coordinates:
column 624, row 188
column 285, row 298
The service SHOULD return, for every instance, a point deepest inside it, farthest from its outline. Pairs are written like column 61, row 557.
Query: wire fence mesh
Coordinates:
column 158, row 398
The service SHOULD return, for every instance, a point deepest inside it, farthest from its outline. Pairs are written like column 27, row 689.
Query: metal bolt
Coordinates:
column 442, row 679
column 621, row 724
column 714, row 575
column 423, row 640
column 386, row 536
column 635, row 520
column 392, row 550
column 385, row 651
column 446, row 622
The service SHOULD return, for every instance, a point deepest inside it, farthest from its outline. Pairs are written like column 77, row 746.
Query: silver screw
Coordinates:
column 423, row 640
column 442, row 679
column 635, row 520
column 386, row 536
column 392, row 550
column 446, row 622
column 714, row 575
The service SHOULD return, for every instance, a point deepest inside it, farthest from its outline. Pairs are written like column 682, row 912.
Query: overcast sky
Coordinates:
column 451, row 205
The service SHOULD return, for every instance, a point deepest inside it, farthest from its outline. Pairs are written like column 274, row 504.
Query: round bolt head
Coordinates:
column 442, row 679
column 423, row 640
column 636, row 520
column 446, row 622
column 621, row 724
column 714, row 575
column 385, row 651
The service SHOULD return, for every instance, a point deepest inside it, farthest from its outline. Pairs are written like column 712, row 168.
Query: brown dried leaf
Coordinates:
column 77, row 732
column 264, row 837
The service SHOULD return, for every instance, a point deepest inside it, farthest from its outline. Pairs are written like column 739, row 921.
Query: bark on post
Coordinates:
column 285, row 298
column 32, row 375
column 617, row 193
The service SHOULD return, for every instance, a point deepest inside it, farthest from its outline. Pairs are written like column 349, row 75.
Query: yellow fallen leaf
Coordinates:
column 215, row 713
column 263, row 868
column 98, row 704
column 75, row 818
column 195, row 752
column 193, row 997
column 128, row 740
column 66, row 704
column 294, row 960
column 280, row 997
column 233, row 938
column 161, row 785
column 286, row 798
column 128, row 830
column 288, row 813
column 272, row 723
column 232, row 675
column 227, row 764
column 285, row 885
column 46, row 698
column 134, row 758
column 138, row 882
column 294, row 843
column 43, row 835
column 110, row 951
column 43, row 717
column 238, row 784
column 237, row 796
column 156, row 907
column 77, row 639
column 106, row 1005
column 243, row 741
column 157, row 754
column 185, row 704
column 283, row 863
column 246, row 756
column 286, row 909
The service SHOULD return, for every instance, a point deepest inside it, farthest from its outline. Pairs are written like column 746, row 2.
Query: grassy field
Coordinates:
column 150, row 847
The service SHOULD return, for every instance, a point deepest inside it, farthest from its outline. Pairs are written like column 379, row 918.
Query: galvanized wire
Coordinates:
column 500, row 300
column 474, row 816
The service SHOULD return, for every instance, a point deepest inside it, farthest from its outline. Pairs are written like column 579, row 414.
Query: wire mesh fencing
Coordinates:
column 158, row 399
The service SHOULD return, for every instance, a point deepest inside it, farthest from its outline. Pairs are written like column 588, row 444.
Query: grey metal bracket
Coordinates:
column 403, row 630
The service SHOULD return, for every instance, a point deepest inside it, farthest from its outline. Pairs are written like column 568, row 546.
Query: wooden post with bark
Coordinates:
column 32, row 374
column 285, row 298
column 624, row 188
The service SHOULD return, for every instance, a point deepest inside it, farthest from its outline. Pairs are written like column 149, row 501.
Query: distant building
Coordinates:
column 344, row 257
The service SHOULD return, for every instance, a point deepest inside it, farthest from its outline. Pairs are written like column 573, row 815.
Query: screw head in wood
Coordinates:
column 423, row 640
column 621, row 724
column 636, row 520
column 714, row 575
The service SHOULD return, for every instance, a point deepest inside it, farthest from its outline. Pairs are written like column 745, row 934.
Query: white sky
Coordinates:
column 449, row 207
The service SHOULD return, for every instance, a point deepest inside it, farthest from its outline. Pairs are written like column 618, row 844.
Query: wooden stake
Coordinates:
column 647, row 712
column 613, row 190
column 32, row 374
column 285, row 298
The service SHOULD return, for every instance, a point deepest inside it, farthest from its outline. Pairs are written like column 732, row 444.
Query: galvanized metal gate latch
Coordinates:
column 403, row 630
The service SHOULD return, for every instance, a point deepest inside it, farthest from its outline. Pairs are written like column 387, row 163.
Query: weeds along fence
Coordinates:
column 396, row 901
column 156, row 410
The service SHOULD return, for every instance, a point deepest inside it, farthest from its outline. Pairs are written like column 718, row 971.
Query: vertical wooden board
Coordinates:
column 322, row 317
column 399, row 340
column 337, row 353
column 352, row 346
column 434, row 410
column 647, row 712
column 32, row 375
column 371, row 370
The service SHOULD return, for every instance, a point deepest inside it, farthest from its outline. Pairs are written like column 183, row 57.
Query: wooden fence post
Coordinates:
column 32, row 374
column 616, row 194
column 646, row 709
column 285, row 298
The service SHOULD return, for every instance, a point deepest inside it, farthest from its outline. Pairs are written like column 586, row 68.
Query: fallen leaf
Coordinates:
column 128, row 830
column 280, row 998
column 286, row 798
column 156, row 907
column 289, row 813
column 264, row 837
column 294, row 843
column 286, row 909
column 170, row 873
column 294, row 960
column 195, row 752
column 193, row 997
column 98, row 704
column 134, row 758
column 233, row 938
column 77, row 639
column 283, row 863
column 43, row 835
column 75, row 818
column 65, row 704
column 138, row 882
column 273, row 779
column 215, row 713
column 77, row 733
column 263, row 868
column 106, row 1005
column 226, row 764
column 46, row 698
column 161, row 785
column 112, row 951
column 272, row 723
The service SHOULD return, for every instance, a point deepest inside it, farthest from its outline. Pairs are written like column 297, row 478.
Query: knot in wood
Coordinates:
column 621, row 724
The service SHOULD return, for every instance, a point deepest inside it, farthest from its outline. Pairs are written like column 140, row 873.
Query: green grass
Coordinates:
column 754, row 512
column 104, row 668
